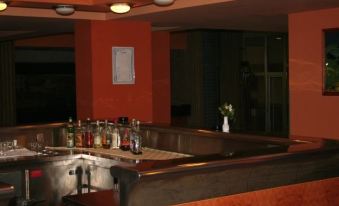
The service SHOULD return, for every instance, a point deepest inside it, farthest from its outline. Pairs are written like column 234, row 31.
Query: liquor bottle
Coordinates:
column 97, row 136
column 106, row 136
column 136, row 139
column 124, row 143
column 115, row 137
column 132, row 134
column 79, row 135
column 70, row 133
column 88, row 134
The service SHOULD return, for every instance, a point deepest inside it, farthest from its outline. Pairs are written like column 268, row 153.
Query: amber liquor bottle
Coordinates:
column 124, row 145
column 106, row 136
column 79, row 135
column 88, row 134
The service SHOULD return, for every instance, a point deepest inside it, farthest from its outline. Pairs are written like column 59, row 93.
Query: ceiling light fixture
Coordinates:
column 64, row 9
column 3, row 5
column 120, row 8
column 163, row 2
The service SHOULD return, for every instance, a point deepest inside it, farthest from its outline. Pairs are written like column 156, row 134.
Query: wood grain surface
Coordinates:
column 315, row 193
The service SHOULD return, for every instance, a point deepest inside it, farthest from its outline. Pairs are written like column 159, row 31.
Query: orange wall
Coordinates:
column 311, row 113
column 108, row 100
column 83, row 69
column 302, row 194
column 161, row 77
column 64, row 41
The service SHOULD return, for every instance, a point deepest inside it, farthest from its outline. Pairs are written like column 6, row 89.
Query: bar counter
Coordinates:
column 213, row 164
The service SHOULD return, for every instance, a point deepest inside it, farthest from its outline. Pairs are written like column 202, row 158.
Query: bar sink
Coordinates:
column 17, row 153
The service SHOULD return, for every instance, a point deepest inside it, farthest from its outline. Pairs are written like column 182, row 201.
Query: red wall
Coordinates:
column 161, row 77
column 108, row 100
column 311, row 113
column 83, row 69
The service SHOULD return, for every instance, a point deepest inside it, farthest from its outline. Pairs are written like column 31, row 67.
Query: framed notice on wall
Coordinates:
column 123, row 65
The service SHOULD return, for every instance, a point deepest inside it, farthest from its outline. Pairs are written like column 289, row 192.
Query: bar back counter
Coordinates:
column 177, row 166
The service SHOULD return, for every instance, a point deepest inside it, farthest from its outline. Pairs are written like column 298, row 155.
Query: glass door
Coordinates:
column 264, row 72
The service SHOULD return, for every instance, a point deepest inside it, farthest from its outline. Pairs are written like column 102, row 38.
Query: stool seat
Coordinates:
column 6, row 193
column 107, row 197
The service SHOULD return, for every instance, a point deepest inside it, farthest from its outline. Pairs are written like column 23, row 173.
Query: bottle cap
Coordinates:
column 123, row 120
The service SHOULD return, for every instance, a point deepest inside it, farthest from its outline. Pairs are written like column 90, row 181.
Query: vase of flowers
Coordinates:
column 227, row 111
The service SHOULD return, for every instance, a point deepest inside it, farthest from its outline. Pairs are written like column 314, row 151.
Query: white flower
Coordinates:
column 227, row 110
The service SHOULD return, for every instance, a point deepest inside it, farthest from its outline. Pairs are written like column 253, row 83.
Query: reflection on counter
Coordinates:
column 148, row 153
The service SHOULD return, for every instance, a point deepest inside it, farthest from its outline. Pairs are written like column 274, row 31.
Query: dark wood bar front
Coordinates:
column 178, row 166
column 107, row 197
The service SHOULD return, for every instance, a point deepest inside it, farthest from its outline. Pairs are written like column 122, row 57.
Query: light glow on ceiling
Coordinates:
column 120, row 8
column 3, row 5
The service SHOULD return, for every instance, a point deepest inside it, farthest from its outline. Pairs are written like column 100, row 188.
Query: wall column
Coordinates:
column 311, row 113
column 97, row 97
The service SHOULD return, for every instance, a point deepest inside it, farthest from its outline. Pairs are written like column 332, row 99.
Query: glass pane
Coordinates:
column 275, row 53
column 255, row 103
column 331, row 60
column 254, row 53
column 276, row 104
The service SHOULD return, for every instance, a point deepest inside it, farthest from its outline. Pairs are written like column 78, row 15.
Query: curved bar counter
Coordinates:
column 222, row 164
column 213, row 164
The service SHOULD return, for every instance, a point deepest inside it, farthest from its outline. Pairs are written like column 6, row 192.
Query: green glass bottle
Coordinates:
column 70, row 133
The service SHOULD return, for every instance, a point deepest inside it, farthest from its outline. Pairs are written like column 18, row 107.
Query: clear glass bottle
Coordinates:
column 97, row 136
column 115, row 137
column 79, row 135
column 132, row 134
column 136, row 139
column 106, row 136
column 88, row 134
column 70, row 133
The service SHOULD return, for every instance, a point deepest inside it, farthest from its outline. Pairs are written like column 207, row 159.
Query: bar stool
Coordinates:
column 107, row 197
column 27, row 201
column 6, row 193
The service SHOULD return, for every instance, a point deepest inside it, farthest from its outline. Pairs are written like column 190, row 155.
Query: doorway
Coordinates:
column 265, row 94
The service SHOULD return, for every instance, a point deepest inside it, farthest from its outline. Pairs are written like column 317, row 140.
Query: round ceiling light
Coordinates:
column 120, row 8
column 163, row 2
column 3, row 5
column 64, row 9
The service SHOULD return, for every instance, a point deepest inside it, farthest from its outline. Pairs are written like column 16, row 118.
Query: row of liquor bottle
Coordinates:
column 104, row 135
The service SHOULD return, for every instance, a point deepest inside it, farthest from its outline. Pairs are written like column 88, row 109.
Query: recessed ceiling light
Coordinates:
column 120, row 8
column 3, row 5
column 163, row 2
column 64, row 9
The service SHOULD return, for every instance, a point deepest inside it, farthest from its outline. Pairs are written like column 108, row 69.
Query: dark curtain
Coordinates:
column 7, row 84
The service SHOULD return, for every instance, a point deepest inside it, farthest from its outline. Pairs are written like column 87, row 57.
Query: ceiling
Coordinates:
column 28, row 18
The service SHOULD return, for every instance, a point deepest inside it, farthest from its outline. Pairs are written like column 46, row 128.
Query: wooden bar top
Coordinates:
column 147, row 153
